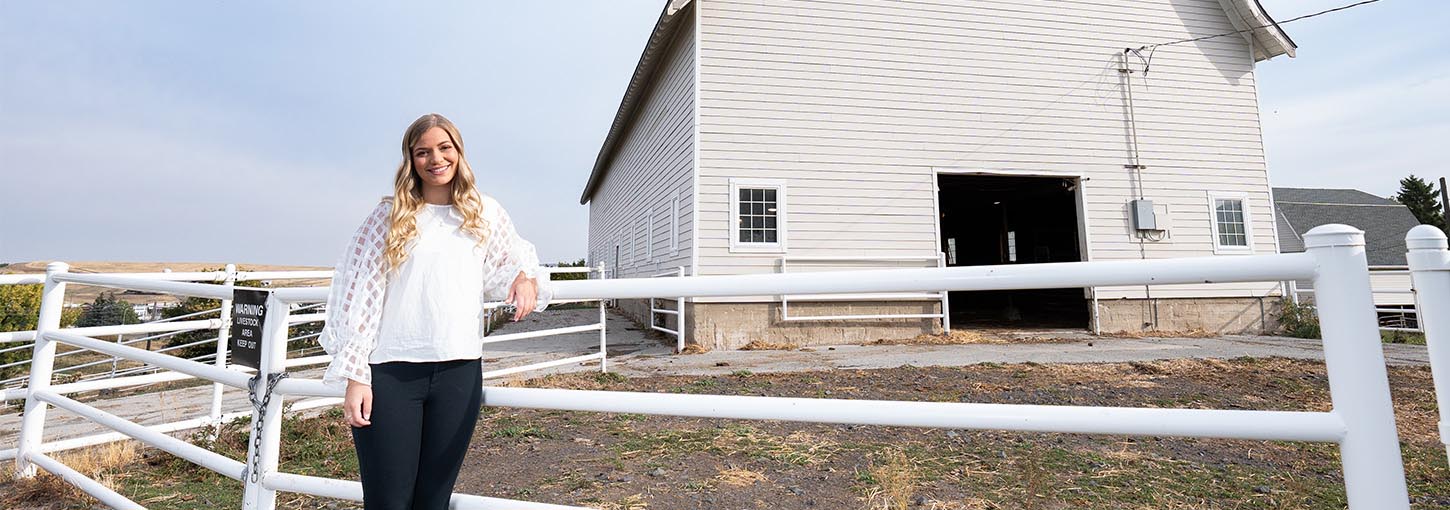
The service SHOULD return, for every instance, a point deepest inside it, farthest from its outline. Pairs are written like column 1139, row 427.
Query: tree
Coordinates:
column 19, row 311
column 1423, row 200
column 570, row 276
column 106, row 310
column 197, row 304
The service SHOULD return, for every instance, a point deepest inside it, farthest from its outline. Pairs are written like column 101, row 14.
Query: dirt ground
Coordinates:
column 637, row 462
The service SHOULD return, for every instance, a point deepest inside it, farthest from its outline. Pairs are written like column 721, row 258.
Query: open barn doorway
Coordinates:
column 995, row 219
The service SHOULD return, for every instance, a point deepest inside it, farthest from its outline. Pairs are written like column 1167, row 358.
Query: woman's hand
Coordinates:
column 357, row 404
column 524, row 295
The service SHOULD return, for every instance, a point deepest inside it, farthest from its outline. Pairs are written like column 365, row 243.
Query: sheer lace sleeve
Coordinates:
column 355, row 302
column 506, row 255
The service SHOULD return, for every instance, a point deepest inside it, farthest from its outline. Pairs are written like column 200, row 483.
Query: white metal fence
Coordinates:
column 1392, row 292
column 148, row 374
column 678, row 312
column 1361, row 422
column 602, row 355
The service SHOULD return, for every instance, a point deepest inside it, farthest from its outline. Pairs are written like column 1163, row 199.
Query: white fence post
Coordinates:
column 42, row 359
column 603, row 325
column 223, row 341
column 946, row 306
column 265, row 449
column 1430, row 273
column 680, row 320
column 1374, row 477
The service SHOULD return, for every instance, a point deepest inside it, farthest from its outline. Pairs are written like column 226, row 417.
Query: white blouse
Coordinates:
column 431, row 308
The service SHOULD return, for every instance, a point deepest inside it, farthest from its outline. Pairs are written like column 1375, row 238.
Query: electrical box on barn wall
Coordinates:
column 1162, row 218
column 1143, row 215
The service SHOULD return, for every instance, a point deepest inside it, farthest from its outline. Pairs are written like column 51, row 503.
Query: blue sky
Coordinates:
column 262, row 132
column 1366, row 101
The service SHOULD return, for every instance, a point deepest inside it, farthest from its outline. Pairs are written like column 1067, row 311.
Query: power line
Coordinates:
column 1306, row 16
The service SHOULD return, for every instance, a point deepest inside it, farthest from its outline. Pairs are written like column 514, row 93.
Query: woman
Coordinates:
column 405, row 319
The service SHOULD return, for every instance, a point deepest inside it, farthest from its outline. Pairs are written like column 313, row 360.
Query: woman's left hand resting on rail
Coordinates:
column 524, row 295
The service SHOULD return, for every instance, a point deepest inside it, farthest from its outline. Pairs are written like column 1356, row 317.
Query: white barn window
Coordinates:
column 649, row 235
column 1232, row 231
column 758, row 213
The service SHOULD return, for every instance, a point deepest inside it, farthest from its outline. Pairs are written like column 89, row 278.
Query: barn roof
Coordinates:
column 1248, row 15
column 671, row 18
column 1269, row 40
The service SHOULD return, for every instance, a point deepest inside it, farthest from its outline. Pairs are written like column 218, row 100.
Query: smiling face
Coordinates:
column 435, row 159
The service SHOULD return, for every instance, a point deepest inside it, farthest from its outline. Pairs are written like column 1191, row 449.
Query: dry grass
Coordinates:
column 800, row 448
column 760, row 345
column 739, row 477
column 695, row 349
column 100, row 463
column 895, row 477
column 634, row 502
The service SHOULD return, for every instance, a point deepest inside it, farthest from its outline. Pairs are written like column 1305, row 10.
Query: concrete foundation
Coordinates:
column 1215, row 315
column 727, row 326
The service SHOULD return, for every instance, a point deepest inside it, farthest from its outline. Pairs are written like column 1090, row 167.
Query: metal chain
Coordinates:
column 260, row 407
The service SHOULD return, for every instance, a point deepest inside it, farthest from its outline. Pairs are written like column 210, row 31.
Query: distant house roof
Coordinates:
column 1383, row 221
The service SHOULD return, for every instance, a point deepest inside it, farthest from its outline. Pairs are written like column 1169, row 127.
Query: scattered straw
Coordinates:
column 635, row 502
column 695, row 349
column 739, row 477
column 1163, row 333
column 956, row 337
column 758, row 345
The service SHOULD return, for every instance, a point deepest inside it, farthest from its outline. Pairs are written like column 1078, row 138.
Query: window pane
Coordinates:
column 757, row 236
column 744, row 236
column 744, row 194
column 769, row 195
column 757, row 194
column 770, row 236
column 770, row 222
column 757, row 208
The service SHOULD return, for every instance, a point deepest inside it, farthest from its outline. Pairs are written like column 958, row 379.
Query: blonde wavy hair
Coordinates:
column 408, row 193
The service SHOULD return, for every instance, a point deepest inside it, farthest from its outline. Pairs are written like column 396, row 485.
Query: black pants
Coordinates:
column 422, row 421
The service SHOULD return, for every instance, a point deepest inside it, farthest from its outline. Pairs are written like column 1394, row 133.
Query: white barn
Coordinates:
column 762, row 136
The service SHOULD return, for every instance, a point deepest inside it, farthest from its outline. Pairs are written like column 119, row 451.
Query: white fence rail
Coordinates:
column 143, row 375
column 1393, row 294
column 678, row 312
column 1361, row 422
column 602, row 355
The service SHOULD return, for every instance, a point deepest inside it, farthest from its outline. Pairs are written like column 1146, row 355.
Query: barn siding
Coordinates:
column 857, row 105
column 653, row 165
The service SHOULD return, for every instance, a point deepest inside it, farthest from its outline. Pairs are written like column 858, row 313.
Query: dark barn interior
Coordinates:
column 987, row 220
